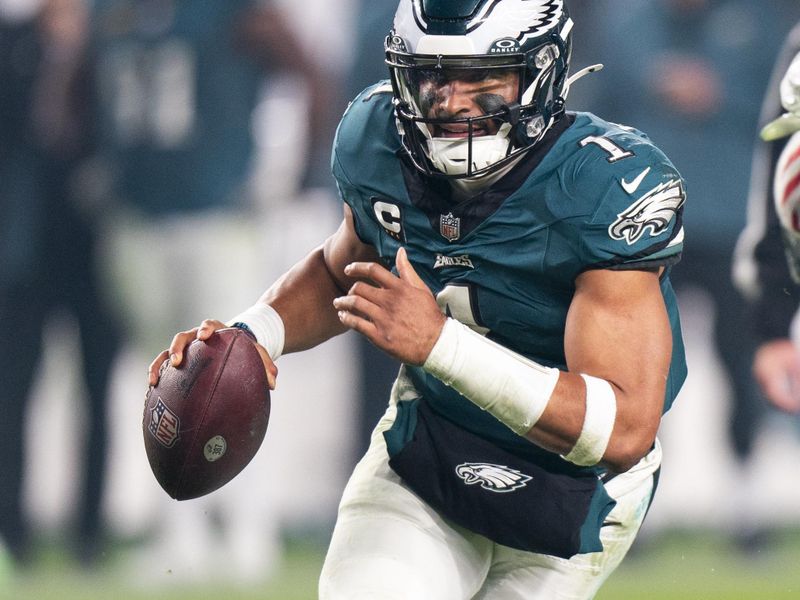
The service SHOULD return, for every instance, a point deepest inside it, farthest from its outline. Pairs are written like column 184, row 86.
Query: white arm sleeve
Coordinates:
column 509, row 386
column 516, row 390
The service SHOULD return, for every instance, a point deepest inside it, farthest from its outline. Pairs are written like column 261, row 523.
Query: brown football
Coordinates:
column 205, row 420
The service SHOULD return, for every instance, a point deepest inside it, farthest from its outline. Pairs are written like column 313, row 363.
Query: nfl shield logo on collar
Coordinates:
column 450, row 227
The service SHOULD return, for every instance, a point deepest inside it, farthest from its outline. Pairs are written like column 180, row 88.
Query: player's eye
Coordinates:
column 474, row 75
column 429, row 78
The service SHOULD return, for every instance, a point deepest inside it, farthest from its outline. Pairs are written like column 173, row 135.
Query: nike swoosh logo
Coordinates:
column 634, row 185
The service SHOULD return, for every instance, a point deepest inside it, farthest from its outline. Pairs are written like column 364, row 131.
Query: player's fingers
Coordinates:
column 407, row 272
column 179, row 343
column 359, row 324
column 208, row 327
column 371, row 271
column 358, row 305
column 366, row 291
column 154, row 369
column 269, row 366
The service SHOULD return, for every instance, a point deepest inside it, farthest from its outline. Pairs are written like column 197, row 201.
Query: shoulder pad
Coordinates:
column 381, row 88
column 629, row 193
column 367, row 137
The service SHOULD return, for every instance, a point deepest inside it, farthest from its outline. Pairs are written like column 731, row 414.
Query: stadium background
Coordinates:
column 688, row 547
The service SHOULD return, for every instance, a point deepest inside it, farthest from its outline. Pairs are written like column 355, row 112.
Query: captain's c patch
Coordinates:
column 390, row 217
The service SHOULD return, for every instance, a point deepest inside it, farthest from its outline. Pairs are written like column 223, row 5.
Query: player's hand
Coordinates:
column 790, row 87
column 776, row 367
column 789, row 122
column 397, row 314
column 205, row 331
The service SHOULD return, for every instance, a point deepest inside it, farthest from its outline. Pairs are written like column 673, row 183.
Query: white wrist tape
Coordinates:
column 598, row 423
column 267, row 325
column 509, row 386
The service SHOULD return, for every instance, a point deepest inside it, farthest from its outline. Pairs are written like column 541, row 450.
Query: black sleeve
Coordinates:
column 775, row 295
column 778, row 296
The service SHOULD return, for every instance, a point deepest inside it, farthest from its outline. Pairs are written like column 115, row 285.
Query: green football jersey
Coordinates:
column 176, row 97
column 591, row 195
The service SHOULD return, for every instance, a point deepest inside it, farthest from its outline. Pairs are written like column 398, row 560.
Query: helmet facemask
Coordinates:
column 515, row 97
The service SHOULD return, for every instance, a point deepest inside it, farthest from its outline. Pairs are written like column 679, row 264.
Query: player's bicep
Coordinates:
column 345, row 247
column 618, row 329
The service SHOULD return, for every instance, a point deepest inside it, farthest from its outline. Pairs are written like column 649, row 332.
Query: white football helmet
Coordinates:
column 435, row 42
column 786, row 193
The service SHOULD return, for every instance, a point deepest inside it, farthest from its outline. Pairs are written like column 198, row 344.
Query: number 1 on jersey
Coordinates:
column 458, row 301
column 615, row 153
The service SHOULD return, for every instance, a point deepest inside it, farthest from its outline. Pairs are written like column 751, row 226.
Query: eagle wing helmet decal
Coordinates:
column 539, row 15
column 653, row 211
column 503, row 17
column 494, row 478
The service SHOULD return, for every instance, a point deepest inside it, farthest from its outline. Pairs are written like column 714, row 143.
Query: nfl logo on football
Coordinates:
column 164, row 424
column 450, row 227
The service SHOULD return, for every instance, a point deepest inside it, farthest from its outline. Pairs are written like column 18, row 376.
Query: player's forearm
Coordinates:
column 303, row 297
column 584, row 418
column 590, row 408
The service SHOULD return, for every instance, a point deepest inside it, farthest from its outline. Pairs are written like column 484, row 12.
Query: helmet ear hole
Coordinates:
column 535, row 127
column 545, row 57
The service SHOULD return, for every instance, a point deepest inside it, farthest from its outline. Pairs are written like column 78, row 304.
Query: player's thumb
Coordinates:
column 406, row 270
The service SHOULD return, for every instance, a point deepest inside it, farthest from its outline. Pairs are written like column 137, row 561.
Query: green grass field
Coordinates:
column 677, row 566
column 690, row 567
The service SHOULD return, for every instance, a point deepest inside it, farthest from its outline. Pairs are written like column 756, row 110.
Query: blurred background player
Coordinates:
column 177, row 86
column 49, row 262
column 767, row 264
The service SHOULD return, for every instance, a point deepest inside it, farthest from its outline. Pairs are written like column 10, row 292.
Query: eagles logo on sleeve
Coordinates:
column 652, row 212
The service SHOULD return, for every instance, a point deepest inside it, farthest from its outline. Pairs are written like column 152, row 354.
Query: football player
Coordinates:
column 515, row 257
column 759, row 268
